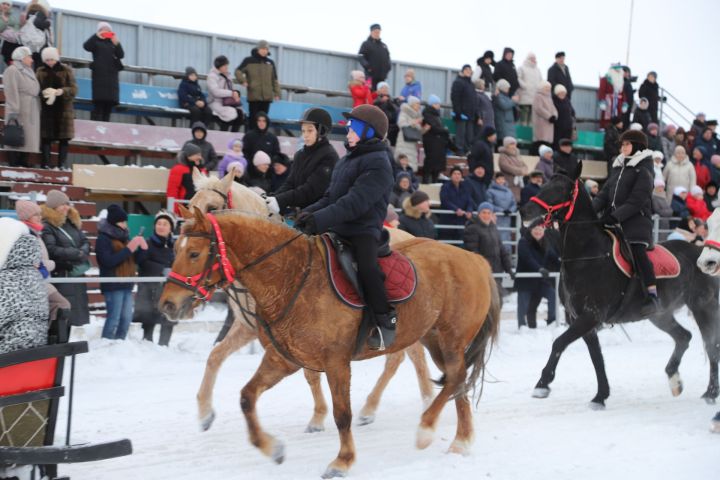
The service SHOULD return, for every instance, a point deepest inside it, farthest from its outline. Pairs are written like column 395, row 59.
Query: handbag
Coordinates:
column 80, row 269
column 230, row 102
column 13, row 134
column 411, row 134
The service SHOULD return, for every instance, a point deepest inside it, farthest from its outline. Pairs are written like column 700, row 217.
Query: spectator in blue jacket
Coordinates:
column 190, row 96
column 455, row 195
column 535, row 255
column 117, row 255
column 504, row 110
column 462, row 95
column 503, row 202
column 412, row 87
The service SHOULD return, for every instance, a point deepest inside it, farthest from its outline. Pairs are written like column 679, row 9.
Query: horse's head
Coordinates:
column 554, row 202
column 193, row 277
column 709, row 260
column 211, row 193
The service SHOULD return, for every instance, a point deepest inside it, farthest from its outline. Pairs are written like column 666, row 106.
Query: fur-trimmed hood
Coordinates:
column 56, row 219
column 12, row 231
column 413, row 212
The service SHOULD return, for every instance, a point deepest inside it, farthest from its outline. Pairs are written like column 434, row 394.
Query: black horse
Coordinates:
column 594, row 291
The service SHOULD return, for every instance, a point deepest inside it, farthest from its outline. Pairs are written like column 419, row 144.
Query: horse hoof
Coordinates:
column 424, row 438
column 676, row 385
column 541, row 392
column 366, row 419
column 278, row 453
column 207, row 421
column 460, row 448
column 597, row 406
column 334, row 473
column 314, row 428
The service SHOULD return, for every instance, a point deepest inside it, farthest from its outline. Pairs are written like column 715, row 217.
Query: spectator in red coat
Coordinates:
column 702, row 172
column 359, row 89
column 696, row 203
column 180, row 183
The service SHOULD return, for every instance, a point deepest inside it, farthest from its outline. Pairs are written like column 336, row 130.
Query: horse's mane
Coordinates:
column 241, row 194
column 189, row 225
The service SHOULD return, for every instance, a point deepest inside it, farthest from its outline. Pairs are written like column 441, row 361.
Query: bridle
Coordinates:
column 227, row 198
column 550, row 210
column 712, row 245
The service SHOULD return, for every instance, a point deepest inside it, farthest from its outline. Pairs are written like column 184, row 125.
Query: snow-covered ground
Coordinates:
column 146, row 393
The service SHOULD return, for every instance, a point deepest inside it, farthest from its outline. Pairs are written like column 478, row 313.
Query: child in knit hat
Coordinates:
column 233, row 157
column 260, row 177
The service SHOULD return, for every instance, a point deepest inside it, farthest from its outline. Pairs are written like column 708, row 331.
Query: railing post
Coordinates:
column 660, row 113
column 656, row 228
column 170, row 204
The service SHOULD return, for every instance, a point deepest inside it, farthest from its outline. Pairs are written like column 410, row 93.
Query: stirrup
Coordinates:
column 376, row 330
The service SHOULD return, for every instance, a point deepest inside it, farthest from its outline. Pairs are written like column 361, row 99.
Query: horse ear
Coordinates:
column 184, row 212
column 578, row 169
column 200, row 219
column 227, row 180
column 197, row 176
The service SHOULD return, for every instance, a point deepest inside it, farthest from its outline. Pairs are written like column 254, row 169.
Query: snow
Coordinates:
column 18, row 176
column 144, row 392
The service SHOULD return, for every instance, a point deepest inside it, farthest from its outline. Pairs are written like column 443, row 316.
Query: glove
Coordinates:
column 463, row 116
column 602, row 105
column 306, row 223
column 272, row 204
column 507, row 213
column 544, row 272
column 552, row 119
column 608, row 219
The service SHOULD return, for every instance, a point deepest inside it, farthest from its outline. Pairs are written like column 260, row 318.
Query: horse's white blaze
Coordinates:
column 183, row 242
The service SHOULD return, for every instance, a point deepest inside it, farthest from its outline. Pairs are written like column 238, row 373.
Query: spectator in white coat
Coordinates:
column 530, row 78
column 224, row 101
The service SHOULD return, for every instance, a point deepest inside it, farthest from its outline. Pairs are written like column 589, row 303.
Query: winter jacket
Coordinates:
column 532, row 256
column 678, row 173
column 231, row 157
column 668, row 147
column 261, row 76
column 22, row 101
column 454, row 197
column 360, row 92
column 414, row 180
column 257, row 139
column 390, row 109
column 642, row 117
column 310, row 175
column 660, row 205
column 506, row 69
column 530, row 190
column 220, row 86
column 566, row 162
column 484, row 109
column 529, row 79
column 106, row 67
column 654, row 143
column 210, row 159
column 512, row 166
column 478, row 188
column 697, row 208
column 159, row 256
column 113, row 257
column 708, row 148
column 679, row 207
column 485, row 240
column 544, row 116
column 257, row 179
column 415, row 222
column 481, row 153
column 413, row 89
column 702, row 173
column 180, row 184
column 190, row 92
column 546, row 167
column 68, row 246
column 502, row 198
column 436, row 141
column 611, row 144
column 486, row 73
column 565, row 122
column 57, row 121
column 407, row 118
column 463, row 98
column 356, row 200
column 627, row 196
column 504, row 116
column 560, row 75
column 24, row 307
column 374, row 56
column 651, row 91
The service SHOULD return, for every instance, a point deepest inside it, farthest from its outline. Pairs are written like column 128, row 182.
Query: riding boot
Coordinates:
column 650, row 306
column 383, row 334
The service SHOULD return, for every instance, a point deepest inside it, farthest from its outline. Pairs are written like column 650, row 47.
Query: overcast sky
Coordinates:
column 678, row 39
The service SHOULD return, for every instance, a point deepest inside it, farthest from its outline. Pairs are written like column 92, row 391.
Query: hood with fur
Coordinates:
column 12, row 231
column 56, row 219
column 413, row 212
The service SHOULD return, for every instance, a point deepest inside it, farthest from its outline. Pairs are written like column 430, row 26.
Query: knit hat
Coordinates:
column 26, row 209
column 239, row 167
column 658, row 154
column 696, row 190
column 433, row 99
column 635, row 136
column 116, row 214
column 261, row 158
column 485, row 206
column 635, row 126
column 375, row 26
column 50, row 53
column 190, row 149
column 536, row 173
column 167, row 216
column 21, row 52
column 509, row 141
column 103, row 25
column 503, row 85
column 55, row 198
column 418, row 197
column 669, row 128
column 412, row 100
column 679, row 190
column 544, row 149
column 652, row 125
column 282, row 159
column 190, row 71
column 589, row 184
column 507, row 50
column 383, row 85
column 488, row 131
column 559, row 88
column 659, row 182
column 467, row 65
column 263, row 44
column 559, row 54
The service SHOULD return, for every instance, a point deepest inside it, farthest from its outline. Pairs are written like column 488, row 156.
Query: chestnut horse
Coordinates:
column 306, row 325
column 214, row 194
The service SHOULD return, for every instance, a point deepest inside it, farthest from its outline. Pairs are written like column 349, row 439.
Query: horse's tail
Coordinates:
column 478, row 352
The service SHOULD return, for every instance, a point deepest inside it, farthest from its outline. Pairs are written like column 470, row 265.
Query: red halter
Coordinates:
column 550, row 209
column 712, row 244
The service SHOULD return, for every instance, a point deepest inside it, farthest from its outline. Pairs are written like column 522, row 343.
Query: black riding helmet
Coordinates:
column 320, row 118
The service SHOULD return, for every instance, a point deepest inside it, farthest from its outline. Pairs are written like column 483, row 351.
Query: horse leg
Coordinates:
column 239, row 335
column 318, row 419
column 578, row 328
column 392, row 362
column 681, row 336
column 464, row 434
column 593, row 345
column 339, row 380
column 416, row 353
column 707, row 320
column 272, row 369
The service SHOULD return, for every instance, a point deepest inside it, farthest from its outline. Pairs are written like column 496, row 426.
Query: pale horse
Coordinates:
column 214, row 194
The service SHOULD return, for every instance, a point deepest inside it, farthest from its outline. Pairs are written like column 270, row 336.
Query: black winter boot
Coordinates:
column 383, row 334
column 650, row 306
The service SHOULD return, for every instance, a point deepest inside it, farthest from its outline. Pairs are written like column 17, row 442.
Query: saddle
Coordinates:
column 400, row 275
column 665, row 264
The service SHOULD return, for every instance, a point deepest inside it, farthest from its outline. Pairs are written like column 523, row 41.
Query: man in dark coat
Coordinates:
column 611, row 143
column 505, row 68
column 463, row 98
column 374, row 56
column 190, row 96
column 486, row 64
column 628, row 94
column 564, row 159
column 650, row 90
column 626, row 199
column 532, row 188
column 559, row 73
column 260, row 138
column 199, row 133
column 416, row 217
column 565, row 122
column 535, row 255
column 477, row 182
column 482, row 153
column 106, row 65
column 312, row 165
column 436, row 141
column 354, row 207
column 258, row 73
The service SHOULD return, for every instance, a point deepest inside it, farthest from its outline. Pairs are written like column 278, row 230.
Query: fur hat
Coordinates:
column 21, row 52
column 55, row 198
column 634, row 136
column 26, row 209
column 658, row 154
column 509, row 141
column 677, row 191
column 412, row 100
column 485, row 206
column 433, row 99
column 50, row 53
column 261, row 158
column 696, row 190
column 544, row 149
column 167, row 216
column 418, row 197
column 559, row 88
column 116, row 214
column 503, row 85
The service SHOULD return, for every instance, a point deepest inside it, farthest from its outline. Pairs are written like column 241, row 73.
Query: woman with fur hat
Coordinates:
column 117, row 256
column 416, row 217
column 22, row 104
column 107, row 53
column 626, row 199
column 58, row 87
column 409, row 117
column 180, row 183
column 191, row 96
column 69, row 248
column 155, row 263
column 223, row 98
